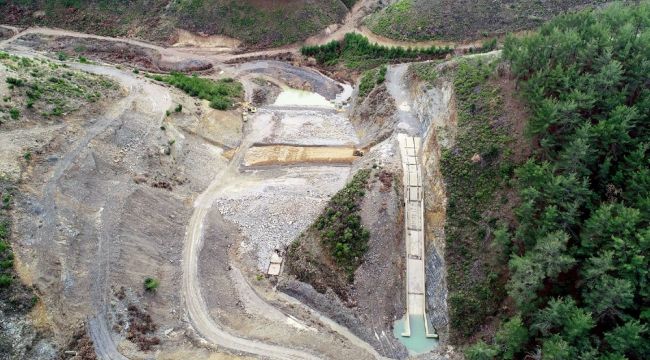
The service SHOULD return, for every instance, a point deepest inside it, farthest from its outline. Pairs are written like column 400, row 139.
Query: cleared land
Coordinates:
column 254, row 22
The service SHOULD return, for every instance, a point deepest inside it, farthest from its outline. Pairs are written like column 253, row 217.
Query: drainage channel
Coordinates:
column 414, row 330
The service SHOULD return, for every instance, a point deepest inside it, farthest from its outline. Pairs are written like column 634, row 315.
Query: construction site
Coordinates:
column 221, row 210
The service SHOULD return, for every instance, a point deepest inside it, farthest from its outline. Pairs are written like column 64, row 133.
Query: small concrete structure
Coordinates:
column 414, row 223
column 275, row 266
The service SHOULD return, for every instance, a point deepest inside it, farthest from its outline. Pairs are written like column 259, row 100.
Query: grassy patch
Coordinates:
column 222, row 94
column 356, row 52
column 424, row 71
column 41, row 88
column 370, row 79
column 475, row 170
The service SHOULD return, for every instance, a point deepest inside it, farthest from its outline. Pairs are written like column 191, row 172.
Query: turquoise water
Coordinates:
column 417, row 343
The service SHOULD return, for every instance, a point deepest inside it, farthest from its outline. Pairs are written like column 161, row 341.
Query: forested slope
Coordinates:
column 579, row 254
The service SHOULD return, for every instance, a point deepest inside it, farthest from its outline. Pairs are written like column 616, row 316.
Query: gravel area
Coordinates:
column 273, row 212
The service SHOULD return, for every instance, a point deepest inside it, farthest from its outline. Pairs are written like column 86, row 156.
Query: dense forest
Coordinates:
column 579, row 254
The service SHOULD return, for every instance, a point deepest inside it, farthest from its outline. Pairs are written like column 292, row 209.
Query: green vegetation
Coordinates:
column 151, row 284
column 424, row 71
column 579, row 266
column 178, row 108
column 340, row 226
column 398, row 20
column 476, row 171
column 222, row 94
column 418, row 20
column 41, row 88
column 357, row 52
column 5, row 280
column 349, row 3
column 370, row 79
column 6, row 255
column 272, row 24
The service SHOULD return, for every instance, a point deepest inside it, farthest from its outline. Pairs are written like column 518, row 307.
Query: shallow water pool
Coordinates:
column 417, row 343
column 295, row 97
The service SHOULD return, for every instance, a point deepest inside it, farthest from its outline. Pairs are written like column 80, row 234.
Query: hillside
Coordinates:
column 577, row 253
column 349, row 196
column 460, row 20
column 254, row 22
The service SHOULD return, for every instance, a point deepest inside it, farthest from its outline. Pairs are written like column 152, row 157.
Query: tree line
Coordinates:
column 355, row 47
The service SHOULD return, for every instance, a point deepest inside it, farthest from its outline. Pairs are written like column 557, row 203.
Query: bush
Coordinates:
column 480, row 351
column 15, row 82
column 14, row 113
column 221, row 93
column 5, row 281
column 6, row 264
column 178, row 108
column 151, row 284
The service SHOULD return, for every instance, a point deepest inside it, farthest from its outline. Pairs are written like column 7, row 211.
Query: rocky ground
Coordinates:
column 114, row 190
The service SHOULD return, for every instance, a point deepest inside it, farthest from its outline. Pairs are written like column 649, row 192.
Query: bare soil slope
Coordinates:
column 255, row 23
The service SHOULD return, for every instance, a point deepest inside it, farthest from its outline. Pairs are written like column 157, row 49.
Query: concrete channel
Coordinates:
column 410, row 148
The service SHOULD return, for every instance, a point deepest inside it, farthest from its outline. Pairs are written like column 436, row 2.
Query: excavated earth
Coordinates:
column 200, row 199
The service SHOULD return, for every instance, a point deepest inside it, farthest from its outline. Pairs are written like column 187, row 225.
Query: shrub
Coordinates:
column 14, row 113
column 4, row 233
column 15, row 82
column 6, row 264
column 221, row 93
column 178, row 108
column 5, row 281
column 151, row 284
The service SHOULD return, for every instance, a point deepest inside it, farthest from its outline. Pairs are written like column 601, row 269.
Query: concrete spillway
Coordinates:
column 414, row 223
